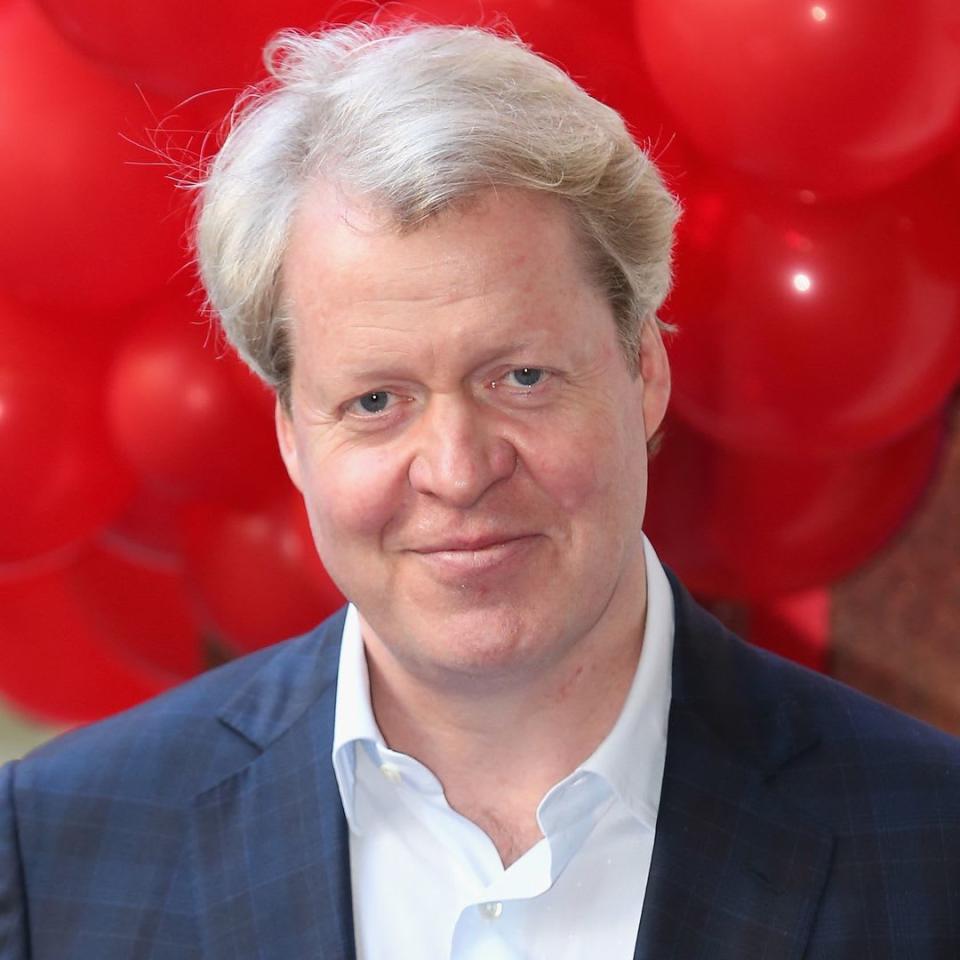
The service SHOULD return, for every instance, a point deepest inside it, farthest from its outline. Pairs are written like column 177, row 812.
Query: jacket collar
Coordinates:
column 270, row 853
column 275, row 697
column 737, row 870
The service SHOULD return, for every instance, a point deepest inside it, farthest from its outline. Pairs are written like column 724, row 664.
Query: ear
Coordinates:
column 287, row 441
column 654, row 370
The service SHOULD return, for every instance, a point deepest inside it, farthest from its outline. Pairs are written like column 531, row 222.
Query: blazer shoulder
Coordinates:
column 175, row 745
column 716, row 668
column 825, row 740
column 874, row 762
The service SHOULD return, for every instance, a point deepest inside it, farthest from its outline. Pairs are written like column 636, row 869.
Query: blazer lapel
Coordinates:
column 736, row 870
column 271, row 867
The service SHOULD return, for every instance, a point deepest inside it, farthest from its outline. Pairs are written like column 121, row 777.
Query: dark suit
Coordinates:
column 798, row 819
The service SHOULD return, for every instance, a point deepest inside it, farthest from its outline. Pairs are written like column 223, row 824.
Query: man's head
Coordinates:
column 447, row 259
column 418, row 119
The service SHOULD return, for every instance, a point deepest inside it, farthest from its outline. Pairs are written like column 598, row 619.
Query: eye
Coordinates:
column 370, row 404
column 527, row 376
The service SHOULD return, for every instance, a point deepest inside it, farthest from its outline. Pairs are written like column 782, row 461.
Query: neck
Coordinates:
column 497, row 752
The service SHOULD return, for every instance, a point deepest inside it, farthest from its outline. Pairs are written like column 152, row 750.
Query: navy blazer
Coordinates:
column 797, row 819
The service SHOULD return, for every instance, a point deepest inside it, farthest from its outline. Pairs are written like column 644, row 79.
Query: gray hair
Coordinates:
column 418, row 118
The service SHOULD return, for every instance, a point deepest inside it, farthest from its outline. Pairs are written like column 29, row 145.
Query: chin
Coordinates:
column 484, row 642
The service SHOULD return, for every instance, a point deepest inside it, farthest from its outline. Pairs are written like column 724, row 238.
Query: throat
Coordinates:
column 513, row 835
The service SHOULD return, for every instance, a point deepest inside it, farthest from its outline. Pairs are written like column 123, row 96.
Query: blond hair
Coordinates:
column 417, row 118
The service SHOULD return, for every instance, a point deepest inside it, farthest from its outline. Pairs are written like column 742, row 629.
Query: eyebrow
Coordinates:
column 378, row 371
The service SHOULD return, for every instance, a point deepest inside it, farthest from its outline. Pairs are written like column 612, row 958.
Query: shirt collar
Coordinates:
column 353, row 720
column 632, row 756
column 630, row 759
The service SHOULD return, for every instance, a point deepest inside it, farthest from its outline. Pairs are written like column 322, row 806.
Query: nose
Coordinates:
column 459, row 454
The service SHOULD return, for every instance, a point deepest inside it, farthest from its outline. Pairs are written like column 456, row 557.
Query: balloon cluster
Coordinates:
column 818, row 295
column 146, row 527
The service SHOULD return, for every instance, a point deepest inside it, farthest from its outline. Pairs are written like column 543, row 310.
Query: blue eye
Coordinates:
column 527, row 376
column 374, row 402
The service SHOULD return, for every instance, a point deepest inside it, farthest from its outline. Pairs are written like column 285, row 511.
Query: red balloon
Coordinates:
column 594, row 43
column 739, row 525
column 180, row 48
column 140, row 609
column 796, row 626
column 89, row 221
column 820, row 329
column 834, row 96
column 256, row 575
column 62, row 480
column 54, row 663
column 147, row 531
column 187, row 413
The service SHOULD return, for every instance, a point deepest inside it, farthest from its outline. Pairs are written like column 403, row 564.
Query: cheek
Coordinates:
column 589, row 470
column 573, row 469
column 352, row 496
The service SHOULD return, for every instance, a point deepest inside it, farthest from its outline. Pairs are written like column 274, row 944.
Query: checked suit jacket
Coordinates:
column 797, row 819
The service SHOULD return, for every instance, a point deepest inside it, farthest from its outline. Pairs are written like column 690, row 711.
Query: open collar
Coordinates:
column 737, row 868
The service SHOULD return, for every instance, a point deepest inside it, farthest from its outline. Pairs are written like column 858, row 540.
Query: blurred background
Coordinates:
column 808, row 485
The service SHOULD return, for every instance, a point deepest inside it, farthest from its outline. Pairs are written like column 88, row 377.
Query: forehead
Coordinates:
column 507, row 266
column 337, row 239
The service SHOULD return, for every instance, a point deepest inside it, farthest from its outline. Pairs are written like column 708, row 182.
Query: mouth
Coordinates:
column 463, row 558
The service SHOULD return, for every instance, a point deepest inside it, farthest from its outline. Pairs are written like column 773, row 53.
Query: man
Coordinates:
column 521, row 740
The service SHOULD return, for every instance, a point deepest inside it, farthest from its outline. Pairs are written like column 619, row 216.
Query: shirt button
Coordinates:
column 391, row 772
column 491, row 910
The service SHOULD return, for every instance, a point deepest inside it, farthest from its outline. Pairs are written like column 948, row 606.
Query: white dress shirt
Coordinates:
column 428, row 884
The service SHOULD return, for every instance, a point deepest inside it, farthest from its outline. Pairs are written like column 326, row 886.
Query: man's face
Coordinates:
column 466, row 431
